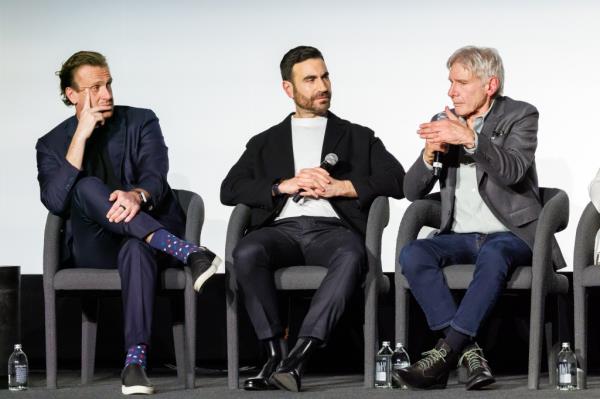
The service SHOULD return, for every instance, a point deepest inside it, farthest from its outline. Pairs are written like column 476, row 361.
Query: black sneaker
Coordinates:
column 477, row 368
column 135, row 381
column 431, row 372
column 204, row 264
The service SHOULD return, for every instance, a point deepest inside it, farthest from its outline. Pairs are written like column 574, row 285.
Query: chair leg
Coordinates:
column 89, row 327
column 50, row 320
column 402, row 309
column 580, row 310
column 551, row 354
column 190, row 332
column 538, row 299
column 178, row 329
column 370, row 331
column 232, row 334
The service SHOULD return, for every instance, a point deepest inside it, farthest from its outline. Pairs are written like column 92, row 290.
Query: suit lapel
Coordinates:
column 334, row 131
column 283, row 155
column 117, row 133
column 489, row 127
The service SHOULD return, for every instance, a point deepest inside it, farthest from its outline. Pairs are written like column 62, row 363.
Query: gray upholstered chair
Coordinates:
column 585, row 275
column 540, row 277
column 310, row 277
column 92, row 283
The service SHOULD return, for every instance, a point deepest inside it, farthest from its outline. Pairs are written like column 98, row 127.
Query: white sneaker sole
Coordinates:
column 207, row 274
column 137, row 389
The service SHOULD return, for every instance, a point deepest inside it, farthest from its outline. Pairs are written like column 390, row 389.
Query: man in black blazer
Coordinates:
column 490, row 204
column 105, row 171
column 324, row 225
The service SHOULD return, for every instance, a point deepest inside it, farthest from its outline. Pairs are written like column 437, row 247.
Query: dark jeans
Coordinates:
column 495, row 256
column 98, row 243
column 314, row 241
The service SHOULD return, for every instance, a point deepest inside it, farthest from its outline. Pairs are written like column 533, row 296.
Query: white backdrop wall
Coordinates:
column 210, row 72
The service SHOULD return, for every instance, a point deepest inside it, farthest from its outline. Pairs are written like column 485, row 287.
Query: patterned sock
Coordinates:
column 137, row 355
column 173, row 245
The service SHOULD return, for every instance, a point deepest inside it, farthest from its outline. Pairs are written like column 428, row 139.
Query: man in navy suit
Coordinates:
column 105, row 171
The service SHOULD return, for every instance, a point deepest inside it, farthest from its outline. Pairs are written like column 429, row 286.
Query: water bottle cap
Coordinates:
column 386, row 343
column 17, row 346
column 399, row 345
column 566, row 345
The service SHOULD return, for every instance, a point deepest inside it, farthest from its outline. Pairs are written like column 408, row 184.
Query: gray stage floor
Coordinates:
column 106, row 385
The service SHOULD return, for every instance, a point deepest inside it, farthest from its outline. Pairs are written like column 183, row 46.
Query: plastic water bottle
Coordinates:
column 400, row 360
column 383, row 366
column 566, row 369
column 18, row 370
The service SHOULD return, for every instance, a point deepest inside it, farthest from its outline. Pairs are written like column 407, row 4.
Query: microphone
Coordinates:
column 437, row 155
column 328, row 163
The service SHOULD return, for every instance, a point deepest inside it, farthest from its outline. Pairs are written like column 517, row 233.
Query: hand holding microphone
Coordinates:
column 328, row 163
column 437, row 155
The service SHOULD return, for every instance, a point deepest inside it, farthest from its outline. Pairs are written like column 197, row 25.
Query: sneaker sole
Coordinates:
column 137, row 390
column 207, row 274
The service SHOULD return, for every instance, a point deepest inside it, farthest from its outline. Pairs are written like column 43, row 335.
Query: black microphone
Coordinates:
column 437, row 155
column 328, row 163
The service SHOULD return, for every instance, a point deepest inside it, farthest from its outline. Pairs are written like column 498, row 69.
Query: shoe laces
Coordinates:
column 474, row 358
column 431, row 357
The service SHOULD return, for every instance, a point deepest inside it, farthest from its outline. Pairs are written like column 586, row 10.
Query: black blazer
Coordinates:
column 269, row 157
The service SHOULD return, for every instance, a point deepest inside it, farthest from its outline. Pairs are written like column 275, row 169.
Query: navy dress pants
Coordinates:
column 98, row 243
column 495, row 256
column 297, row 241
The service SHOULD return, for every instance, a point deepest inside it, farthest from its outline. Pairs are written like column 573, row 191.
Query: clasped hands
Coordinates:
column 317, row 183
column 440, row 133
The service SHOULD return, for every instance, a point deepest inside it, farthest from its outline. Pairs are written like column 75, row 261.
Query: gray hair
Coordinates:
column 484, row 62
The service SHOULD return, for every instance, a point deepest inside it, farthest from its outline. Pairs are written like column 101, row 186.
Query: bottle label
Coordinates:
column 381, row 376
column 21, row 374
column 564, row 374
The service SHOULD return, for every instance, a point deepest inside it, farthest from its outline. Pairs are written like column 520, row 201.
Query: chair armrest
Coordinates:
column 238, row 223
column 588, row 226
column 194, row 219
column 553, row 218
column 425, row 212
column 379, row 216
column 52, row 245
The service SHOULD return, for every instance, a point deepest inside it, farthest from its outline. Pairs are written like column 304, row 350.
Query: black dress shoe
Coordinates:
column 135, row 381
column 261, row 382
column 203, row 264
column 479, row 373
column 431, row 372
column 288, row 375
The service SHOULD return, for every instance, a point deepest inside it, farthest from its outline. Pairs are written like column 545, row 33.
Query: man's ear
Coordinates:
column 288, row 87
column 493, row 86
column 72, row 95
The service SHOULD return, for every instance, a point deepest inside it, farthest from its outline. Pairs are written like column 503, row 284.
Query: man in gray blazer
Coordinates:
column 490, row 204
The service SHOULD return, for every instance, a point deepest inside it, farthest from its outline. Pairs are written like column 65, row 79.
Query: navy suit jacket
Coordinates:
column 137, row 151
column 269, row 157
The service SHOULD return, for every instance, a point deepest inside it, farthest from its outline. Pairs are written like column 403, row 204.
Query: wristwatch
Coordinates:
column 145, row 204
column 275, row 189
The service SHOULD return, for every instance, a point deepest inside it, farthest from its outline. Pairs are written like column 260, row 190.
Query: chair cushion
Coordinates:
column 299, row 277
column 310, row 278
column 459, row 277
column 591, row 276
column 108, row 279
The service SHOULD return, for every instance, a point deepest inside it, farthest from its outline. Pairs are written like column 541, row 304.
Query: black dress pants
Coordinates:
column 297, row 241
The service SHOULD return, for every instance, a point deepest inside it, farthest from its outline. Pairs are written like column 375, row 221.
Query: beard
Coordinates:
column 317, row 104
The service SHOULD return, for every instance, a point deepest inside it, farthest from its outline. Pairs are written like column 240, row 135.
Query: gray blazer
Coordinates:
column 506, row 173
